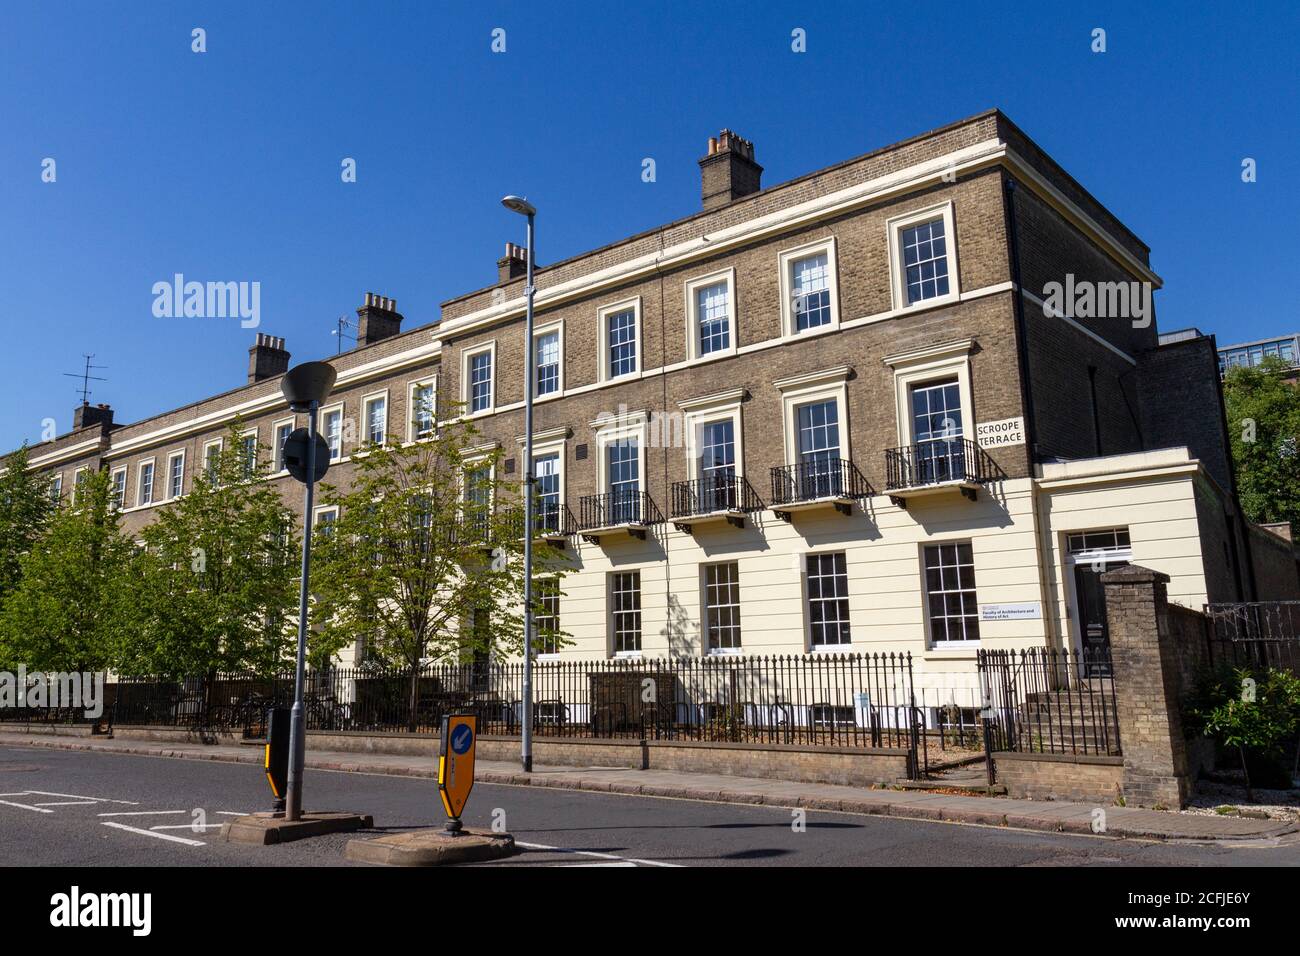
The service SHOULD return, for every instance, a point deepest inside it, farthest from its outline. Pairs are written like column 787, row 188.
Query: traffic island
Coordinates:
column 432, row 847
column 267, row 829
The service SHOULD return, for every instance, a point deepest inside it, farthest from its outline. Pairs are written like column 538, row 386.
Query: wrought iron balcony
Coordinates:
column 725, row 497
column 936, row 464
column 552, row 521
column 817, row 481
column 630, row 511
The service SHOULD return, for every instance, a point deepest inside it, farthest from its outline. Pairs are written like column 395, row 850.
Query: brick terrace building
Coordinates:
column 832, row 414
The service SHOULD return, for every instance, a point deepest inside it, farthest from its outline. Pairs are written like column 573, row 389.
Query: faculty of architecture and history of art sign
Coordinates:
column 1026, row 611
column 1009, row 431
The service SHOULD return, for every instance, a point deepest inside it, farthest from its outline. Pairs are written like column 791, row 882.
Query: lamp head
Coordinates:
column 520, row 205
column 307, row 383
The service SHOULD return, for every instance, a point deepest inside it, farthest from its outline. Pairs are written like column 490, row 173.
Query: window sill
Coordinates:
column 726, row 652
column 832, row 648
column 627, row 655
column 951, row 652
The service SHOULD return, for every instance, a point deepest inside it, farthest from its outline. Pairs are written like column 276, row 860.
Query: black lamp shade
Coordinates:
column 307, row 383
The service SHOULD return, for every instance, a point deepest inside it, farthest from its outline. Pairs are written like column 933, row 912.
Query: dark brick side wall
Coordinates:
column 1276, row 577
column 1182, row 405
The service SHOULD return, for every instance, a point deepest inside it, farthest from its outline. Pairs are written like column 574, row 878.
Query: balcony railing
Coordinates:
column 550, row 520
column 818, row 479
column 937, row 462
column 617, row 509
column 723, row 494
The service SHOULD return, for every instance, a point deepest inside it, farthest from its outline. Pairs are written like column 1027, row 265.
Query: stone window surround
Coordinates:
column 555, row 326
column 712, row 408
column 809, row 646
column 727, row 275
column 553, row 441
column 432, row 382
column 928, row 364
column 139, row 481
column 785, row 261
column 610, row 430
column 366, row 401
column 602, row 339
column 292, row 422
column 798, row 390
column 466, row 355
column 897, row 277
column 172, row 456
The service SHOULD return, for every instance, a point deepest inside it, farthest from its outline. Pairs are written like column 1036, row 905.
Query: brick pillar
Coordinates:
column 1146, row 666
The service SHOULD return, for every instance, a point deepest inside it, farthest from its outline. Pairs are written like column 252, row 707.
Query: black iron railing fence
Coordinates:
column 1254, row 634
column 702, row 496
column 614, row 508
column 818, row 478
column 1043, row 700
column 937, row 461
column 841, row 700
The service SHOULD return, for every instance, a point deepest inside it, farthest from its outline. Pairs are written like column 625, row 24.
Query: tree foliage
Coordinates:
column 1264, row 428
column 216, row 585
column 26, row 506
column 68, row 611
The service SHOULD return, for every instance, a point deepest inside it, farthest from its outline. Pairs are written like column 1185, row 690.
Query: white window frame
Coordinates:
column 713, row 408
column 325, row 414
column 602, row 345
column 120, row 504
column 785, row 262
column 76, row 481
column 219, row 444
column 611, row 430
column 556, row 327
column 320, row 511
column 412, row 432
column 368, row 400
column 924, row 366
column 56, row 486
column 474, row 459
column 172, row 456
column 693, row 354
column 256, row 448
column 465, row 356
column 609, row 619
column 553, row 442
column 897, row 272
column 277, row 455
column 709, row 649
column 551, row 655
column 139, row 482
column 807, row 389
column 806, row 599
column 930, row 643
column 1115, row 555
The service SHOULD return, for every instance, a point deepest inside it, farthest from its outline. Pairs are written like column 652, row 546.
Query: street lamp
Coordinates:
column 525, row 208
column 304, row 387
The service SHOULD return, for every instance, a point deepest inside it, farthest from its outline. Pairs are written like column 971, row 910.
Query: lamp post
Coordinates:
column 525, row 208
column 305, row 387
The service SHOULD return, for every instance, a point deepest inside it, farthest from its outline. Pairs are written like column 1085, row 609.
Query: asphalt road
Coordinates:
column 92, row 809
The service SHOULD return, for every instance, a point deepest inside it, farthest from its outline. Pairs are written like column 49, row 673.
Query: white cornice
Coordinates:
column 729, row 397
column 550, row 434
column 63, row 454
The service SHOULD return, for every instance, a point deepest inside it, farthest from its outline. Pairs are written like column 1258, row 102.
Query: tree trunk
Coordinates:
column 1250, row 794
column 414, row 697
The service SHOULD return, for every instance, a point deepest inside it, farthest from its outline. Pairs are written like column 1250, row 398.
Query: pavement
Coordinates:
column 1046, row 816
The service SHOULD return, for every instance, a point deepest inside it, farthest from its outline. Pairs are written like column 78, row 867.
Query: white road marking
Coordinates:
column 140, row 813
column 68, row 803
column 71, row 796
column 9, row 803
column 625, row 863
column 151, row 833
column 600, row 856
column 196, row 827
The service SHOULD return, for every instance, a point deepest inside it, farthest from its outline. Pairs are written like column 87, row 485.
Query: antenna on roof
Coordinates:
column 346, row 329
column 86, row 378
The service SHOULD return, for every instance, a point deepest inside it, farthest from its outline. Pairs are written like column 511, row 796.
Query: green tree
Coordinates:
column 424, row 561
column 216, row 585
column 1251, row 711
column 25, row 509
column 68, row 611
column 1264, row 427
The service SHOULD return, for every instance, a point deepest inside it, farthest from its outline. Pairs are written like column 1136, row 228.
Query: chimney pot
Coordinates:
column 267, row 358
column 728, row 172
column 377, row 319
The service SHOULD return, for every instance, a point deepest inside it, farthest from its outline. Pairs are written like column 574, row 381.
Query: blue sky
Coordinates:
column 225, row 165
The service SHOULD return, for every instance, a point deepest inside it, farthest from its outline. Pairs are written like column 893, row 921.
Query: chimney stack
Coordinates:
column 267, row 358
column 513, row 264
column 728, row 172
column 87, row 414
column 377, row 319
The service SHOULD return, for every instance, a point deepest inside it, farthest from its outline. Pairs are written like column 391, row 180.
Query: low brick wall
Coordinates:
column 1069, row 777
column 859, row 767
